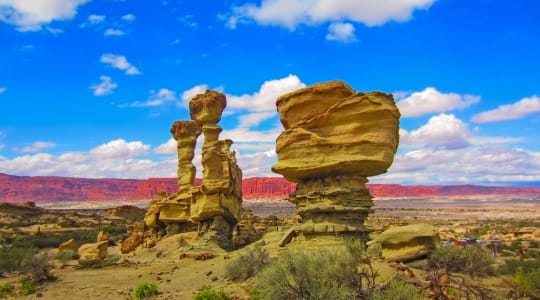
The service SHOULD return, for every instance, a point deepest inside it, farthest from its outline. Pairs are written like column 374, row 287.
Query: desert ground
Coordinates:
column 174, row 264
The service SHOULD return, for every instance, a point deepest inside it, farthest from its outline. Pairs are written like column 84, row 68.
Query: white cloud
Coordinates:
column 2, row 90
column 96, row 19
column 341, row 32
column 120, row 62
column 105, row 87
column 443, row 130
column 113, row 32
column 31, row 15
column 35, row 147
column 168, row 147
column 517, row 110
column 432, row 101
column 120, row 149
column 129, row 18
column 291, row 13
column 156, row 99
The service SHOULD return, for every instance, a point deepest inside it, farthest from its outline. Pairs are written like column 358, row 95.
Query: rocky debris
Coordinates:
column 93, row 251
column 126, row 212
column 406, row 243
column 334, row 138
column 131, row 243
column 70, row 245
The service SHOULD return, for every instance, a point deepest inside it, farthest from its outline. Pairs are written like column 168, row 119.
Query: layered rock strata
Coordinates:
column 334, row 139
column 215, row 206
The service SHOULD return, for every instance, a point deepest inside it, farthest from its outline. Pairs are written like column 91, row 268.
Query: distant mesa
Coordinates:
column 19, row 189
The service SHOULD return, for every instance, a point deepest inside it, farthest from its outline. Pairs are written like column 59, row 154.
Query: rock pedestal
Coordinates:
column 334, row 139
column 216, row 205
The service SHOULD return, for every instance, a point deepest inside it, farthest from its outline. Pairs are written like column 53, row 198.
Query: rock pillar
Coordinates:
column 334, row 139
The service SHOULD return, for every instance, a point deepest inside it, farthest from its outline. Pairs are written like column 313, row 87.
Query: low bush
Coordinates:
column 6, row 290
column 309, row 275
column 37, row 267
column 12, row 257
column 145, row 290
column 247, row 265
column 208, row 293
column 398, row 289
column 473, row 260
column 28, row 286
column 511, row 266
column 527, row 283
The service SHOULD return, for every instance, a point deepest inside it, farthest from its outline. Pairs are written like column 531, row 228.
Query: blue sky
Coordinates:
column 91, row 88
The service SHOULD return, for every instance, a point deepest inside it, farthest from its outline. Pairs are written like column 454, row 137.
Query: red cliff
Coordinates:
column 40, row 188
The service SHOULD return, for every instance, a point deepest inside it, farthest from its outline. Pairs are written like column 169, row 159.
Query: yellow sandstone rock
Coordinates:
column 334, row 138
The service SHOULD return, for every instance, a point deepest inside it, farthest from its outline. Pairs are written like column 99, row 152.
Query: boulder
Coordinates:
column 93, row 251
column 127, row 212
column 131, row 243
column 102, row 236
column 407, row 243
column 70, row 245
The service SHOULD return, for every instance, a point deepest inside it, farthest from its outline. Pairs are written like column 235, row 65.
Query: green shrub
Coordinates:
column 27, row 286
column 398, row 289
column 145, row 290
column 247, row 265
column 37, row 267
column 527, row 283
column 473, row 260
column 11, row 257
column 6, row 290
column 318, row 274
column 511, row 266
column 208, row 293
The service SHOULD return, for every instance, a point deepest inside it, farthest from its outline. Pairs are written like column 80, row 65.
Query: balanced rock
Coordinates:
column 407, row 243
column 93, row 251
column 334, row 138
column 131, row 243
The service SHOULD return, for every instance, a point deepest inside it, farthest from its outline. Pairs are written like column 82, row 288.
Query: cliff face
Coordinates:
column 39, row 188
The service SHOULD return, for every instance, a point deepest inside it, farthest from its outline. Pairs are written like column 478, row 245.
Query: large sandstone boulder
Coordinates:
column 127, row 212
column 131, row 243
column 93, row 251
column 329, row 129
column 102, row 236
column 407, row 243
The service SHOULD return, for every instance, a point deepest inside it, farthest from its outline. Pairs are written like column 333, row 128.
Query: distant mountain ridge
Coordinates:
column 52, row 188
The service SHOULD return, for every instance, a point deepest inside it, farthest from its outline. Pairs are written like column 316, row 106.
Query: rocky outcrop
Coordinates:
column 215, row 206
column 68, row 246
column 126, row 212
column 406, row 243
column 131, row 243
column 93, row 251
column 334, row 138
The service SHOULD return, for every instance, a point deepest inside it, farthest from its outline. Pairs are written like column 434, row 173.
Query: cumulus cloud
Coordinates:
column 431, row 100
column 341, row 32
column 113, row 32
column 32, row 15
column 120, row 62
column 105, row 87
column 441, row 131
column 169, row 147
column 120, row 149
column 291, row 13
column 189, row 94
column 517, row 110
column 128, row 18
column 35, row 147
column 158, row 98
column 2, row 90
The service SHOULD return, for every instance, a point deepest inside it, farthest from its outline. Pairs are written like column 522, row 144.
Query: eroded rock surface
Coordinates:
column 334, row 138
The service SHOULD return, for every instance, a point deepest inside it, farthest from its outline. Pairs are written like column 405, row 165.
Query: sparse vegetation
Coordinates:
column 145, row 290
column 398, row 289
column 208, row 293
column 28, row 286
column 247, row 265
column 6, row 290
column 473, row 260
column 300, row 275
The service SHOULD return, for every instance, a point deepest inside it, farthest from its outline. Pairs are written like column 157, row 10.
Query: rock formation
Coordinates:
column 334, row 138
column 216, row 205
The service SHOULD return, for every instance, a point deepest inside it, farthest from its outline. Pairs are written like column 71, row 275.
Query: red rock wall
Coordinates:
column 39, row 188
